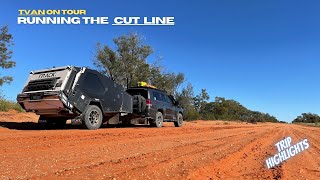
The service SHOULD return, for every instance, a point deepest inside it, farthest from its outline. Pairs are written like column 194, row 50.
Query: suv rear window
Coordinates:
column 157, row 96
column 141, row 92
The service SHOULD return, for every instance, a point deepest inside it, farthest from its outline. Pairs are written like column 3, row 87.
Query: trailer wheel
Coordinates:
column 93, row 117
column 179, row 121
column 158, row 121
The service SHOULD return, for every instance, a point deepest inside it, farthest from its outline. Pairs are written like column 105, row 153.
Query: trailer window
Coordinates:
column 92, row 84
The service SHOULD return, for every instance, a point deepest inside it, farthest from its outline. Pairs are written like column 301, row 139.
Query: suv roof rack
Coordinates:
column 145, row 84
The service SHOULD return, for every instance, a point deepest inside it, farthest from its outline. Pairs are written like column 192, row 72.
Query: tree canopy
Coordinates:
column 127, row 64
column 307, row 118
column 6, row 53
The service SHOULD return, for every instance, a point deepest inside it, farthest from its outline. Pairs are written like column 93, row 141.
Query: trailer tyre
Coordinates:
column 179, row 121
column 93, row 117
column 158, row 122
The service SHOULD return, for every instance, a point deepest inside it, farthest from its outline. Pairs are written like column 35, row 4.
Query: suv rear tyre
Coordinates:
column 179, row 121
column 158, row 121
column 93, row 117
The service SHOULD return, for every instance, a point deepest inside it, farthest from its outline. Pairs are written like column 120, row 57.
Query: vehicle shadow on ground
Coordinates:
column 20, row 125
column 37, row 126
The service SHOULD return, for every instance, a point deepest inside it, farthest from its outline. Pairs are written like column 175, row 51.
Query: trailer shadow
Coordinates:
column 20, row 125
column 30, row 126
column 37, row 126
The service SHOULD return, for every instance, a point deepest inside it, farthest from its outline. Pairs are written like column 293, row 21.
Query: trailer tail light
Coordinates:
column 148, row 102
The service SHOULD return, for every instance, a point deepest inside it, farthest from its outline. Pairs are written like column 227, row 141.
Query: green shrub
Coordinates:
column 191, row 115
column 6, row 105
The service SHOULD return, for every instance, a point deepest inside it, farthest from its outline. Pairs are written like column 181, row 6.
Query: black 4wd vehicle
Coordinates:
column 156, row 105
column 87, row 97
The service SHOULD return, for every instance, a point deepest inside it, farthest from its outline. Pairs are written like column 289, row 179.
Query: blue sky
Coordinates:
column 264, row 54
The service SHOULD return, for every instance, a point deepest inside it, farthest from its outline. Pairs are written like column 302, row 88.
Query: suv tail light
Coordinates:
column 148, row 102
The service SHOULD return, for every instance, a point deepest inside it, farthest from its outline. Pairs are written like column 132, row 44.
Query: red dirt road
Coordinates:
column 198, row 150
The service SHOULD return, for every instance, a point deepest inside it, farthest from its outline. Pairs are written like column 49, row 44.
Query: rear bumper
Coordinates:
column 48, row 105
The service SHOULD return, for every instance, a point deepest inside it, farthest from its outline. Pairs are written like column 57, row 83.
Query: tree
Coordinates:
column 167, row 81
column 185, row 98
column 127, row 64
column 6, row 53
column 201, row 99
column 228, row 109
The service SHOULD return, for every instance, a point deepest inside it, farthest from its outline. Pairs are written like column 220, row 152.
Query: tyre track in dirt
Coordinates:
column 247, row 162
column 42, row 137
column 183, row 165
column 160, row 162
column 189, row 149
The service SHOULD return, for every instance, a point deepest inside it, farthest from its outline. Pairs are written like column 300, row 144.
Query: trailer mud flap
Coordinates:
column 114, row 119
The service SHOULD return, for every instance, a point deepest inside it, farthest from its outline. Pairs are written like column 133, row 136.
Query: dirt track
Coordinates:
column 198, row 150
